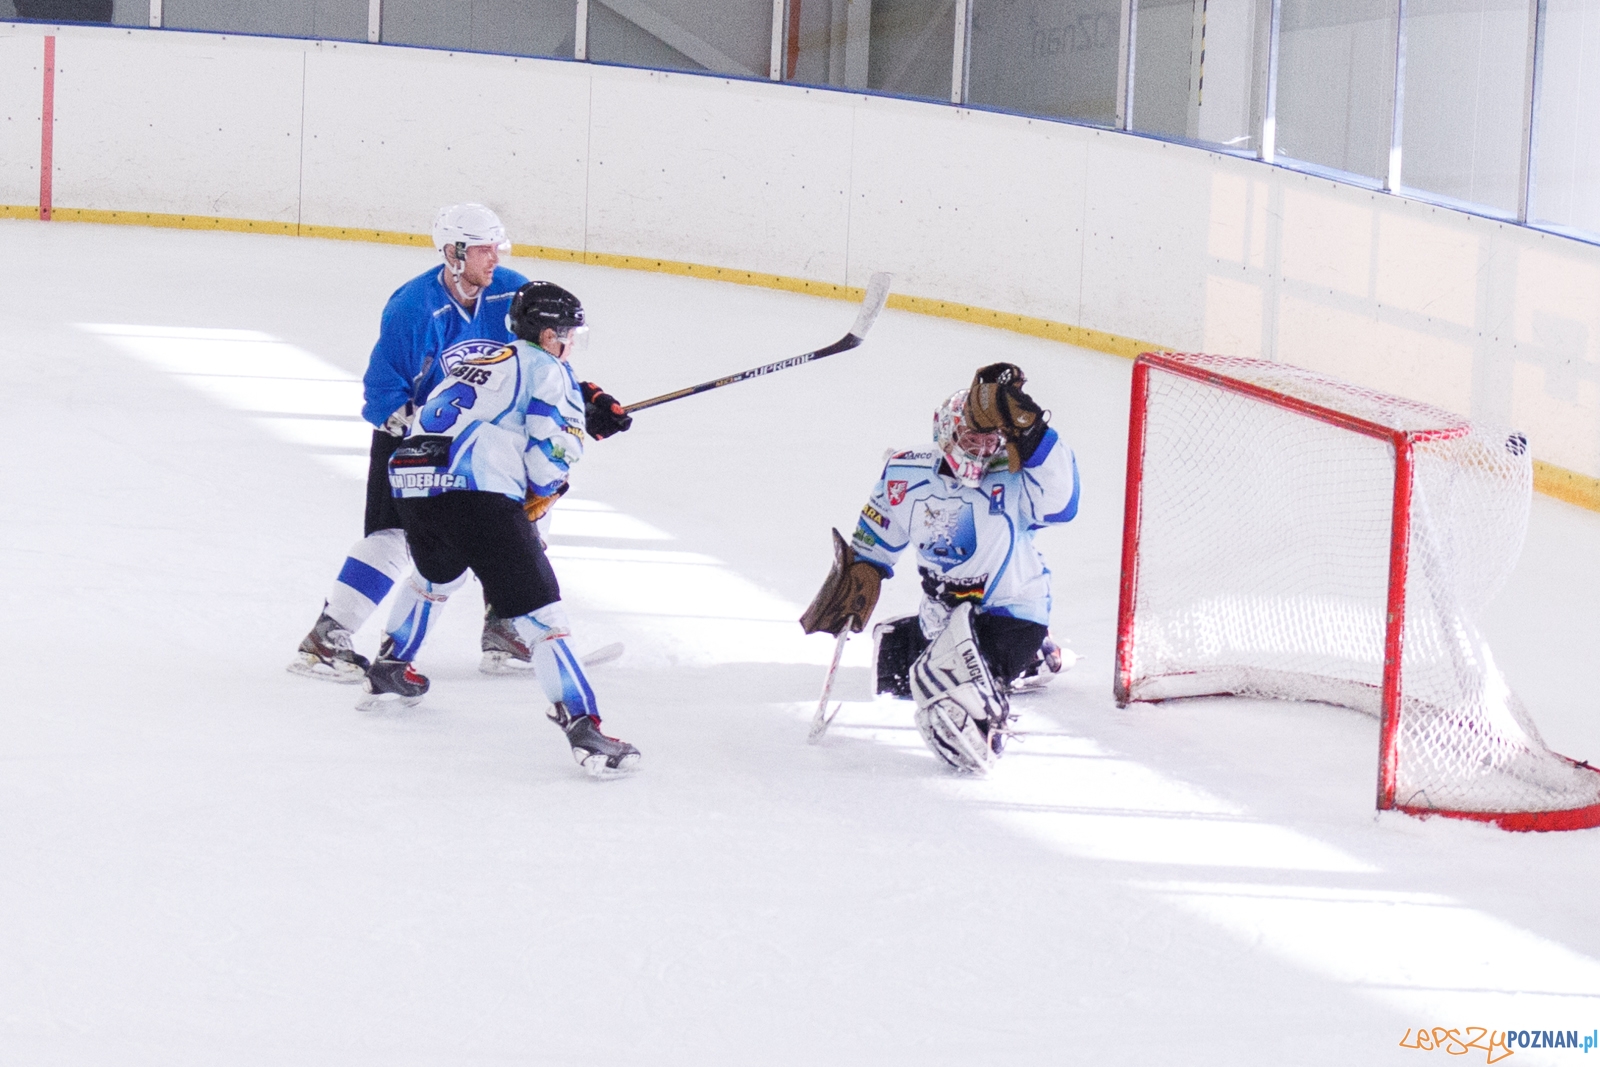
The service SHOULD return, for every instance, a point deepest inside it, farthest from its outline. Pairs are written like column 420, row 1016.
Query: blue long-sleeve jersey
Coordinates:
column 422, row 327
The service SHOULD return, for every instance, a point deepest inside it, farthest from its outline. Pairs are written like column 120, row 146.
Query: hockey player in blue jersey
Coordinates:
column 490, row 448
column 451, row 312
column 969, row 507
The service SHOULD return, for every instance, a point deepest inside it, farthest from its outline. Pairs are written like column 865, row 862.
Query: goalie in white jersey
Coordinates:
column 969, row 506
column 490, row 448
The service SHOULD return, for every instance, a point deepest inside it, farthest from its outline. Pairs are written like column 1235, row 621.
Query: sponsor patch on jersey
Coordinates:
column 997, row 500
column 478, row 351
column 424, row 450
column 913, row 455
column 870, row 512
column 952, row 591
column 897, row 492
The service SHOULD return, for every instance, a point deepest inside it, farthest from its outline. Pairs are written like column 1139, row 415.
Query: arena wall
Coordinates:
column 1095, row 237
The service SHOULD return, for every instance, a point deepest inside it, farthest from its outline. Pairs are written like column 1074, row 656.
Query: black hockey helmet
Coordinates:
column 539, row 306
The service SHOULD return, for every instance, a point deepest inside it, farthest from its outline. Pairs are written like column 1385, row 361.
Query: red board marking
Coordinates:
column 47, row 129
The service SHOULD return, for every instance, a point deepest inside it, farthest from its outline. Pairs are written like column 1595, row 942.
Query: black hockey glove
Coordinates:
column 847, row 596
column 996, row 403
column 602, row 415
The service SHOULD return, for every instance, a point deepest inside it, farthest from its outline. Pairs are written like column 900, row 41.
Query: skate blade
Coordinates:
column 386, row 702
column 502, row 663
column 594, row 764
column 1038, row 682
column 311, row 667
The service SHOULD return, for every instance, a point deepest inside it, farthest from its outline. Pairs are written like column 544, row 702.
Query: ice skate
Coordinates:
column 326, row 654
column 601, row 756
column 392, row 683
column 1051, row 661
column 504, row 652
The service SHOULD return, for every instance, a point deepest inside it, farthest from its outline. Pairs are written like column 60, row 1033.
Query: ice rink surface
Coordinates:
column 205, row 860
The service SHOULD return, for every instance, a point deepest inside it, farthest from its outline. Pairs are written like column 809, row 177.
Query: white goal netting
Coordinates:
column 1262, row 568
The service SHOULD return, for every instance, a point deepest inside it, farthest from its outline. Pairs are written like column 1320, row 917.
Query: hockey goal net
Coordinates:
column 1292, row 536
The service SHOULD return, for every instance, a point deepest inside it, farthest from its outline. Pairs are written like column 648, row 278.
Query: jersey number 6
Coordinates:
column 441, row 413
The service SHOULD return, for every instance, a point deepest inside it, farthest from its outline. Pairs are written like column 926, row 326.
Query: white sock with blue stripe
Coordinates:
column 560, row 674
column 375, row 563
column 416, row 606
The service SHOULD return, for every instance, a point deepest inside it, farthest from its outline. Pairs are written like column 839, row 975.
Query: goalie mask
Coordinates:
column 967, row 451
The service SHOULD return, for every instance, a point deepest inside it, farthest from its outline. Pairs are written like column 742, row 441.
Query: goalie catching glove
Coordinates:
column 997, row 404
column 603, row 415
column 847, row 596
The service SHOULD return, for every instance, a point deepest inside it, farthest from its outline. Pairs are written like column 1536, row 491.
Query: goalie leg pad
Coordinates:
column 959, row 707
column 954, row 736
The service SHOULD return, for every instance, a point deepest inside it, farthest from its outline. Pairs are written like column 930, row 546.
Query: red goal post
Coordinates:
column 1292, row 536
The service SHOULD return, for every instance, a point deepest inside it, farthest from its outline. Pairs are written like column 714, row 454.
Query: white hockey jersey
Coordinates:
column 509, row 421
column 973, row 543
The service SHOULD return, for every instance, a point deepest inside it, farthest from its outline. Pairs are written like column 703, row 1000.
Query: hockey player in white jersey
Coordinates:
column 969, row 506
column 445, row 313
column 490, row 448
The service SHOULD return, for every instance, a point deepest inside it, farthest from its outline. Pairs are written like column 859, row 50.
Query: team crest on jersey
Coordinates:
column 477, row 352
column 997, row 499
column 945, row 533
column 897, row 492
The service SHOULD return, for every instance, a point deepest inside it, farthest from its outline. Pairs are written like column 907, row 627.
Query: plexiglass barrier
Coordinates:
column 1488, row 106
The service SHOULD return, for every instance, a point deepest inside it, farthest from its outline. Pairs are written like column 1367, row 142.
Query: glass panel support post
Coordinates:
column 155, row 14
column 374, row 21
column 1267, row 142
column 580, row 36
column 775, row 64
column 963, row 47
column 1391, row 177
column 1129, row 36
column 1537, row 12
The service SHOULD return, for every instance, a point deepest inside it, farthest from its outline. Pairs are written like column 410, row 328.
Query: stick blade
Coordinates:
column 871, row 304
column 820, row 722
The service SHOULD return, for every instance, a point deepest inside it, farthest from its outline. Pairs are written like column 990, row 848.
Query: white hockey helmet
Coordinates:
column 968, row 452
column 467, row 226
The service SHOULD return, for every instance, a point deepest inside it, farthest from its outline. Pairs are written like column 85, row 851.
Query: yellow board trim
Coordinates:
column 1549, row 479
column 1574, row 488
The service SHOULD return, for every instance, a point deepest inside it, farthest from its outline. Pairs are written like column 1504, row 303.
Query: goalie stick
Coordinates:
column 820, row 721
column 876, row 296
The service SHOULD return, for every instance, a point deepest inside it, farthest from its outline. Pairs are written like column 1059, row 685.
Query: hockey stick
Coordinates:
column 871, row 304
column 820, row 721
column 603, row 654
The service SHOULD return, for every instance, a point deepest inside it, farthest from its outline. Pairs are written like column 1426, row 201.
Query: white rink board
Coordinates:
column 21, row 63
column 1166, row 243
column 962, row 202
column 394, row 133
column 729, row 173
column 163, row 129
